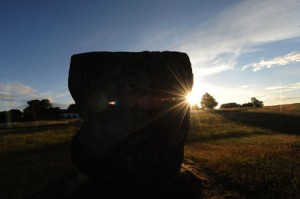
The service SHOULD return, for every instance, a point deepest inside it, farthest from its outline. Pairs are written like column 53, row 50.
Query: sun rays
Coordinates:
column 193, row 98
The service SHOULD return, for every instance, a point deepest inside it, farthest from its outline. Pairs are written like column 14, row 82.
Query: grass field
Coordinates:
column 35, row 160
column 253, row 153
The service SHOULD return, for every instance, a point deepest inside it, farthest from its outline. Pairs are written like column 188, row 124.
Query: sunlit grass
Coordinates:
column 255, row 161
column 249, row 151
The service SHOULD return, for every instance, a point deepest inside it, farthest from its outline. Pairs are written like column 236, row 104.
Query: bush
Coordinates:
column 230, row 105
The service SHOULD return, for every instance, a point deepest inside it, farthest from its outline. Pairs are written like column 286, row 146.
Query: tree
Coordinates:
column 73, row 108
column 208, row 101
column 37, row 109
column 3, row 116
column 247, row 105
column 256, row 102
column 14, row 115
column 230, row 105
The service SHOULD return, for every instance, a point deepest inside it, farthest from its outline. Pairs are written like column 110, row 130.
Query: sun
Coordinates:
column 193, row 98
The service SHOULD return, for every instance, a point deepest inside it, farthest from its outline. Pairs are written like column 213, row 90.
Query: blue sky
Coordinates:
column 238, row 48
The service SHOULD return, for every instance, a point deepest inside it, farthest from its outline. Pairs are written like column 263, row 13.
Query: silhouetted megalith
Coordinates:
column 136, row 118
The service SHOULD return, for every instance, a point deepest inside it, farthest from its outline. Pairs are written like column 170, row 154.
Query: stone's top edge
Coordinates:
column 126, row 53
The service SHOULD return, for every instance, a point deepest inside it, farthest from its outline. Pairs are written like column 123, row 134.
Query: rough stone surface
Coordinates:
column 136, row 118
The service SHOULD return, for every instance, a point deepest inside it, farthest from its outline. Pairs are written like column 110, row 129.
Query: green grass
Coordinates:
column 254, row 152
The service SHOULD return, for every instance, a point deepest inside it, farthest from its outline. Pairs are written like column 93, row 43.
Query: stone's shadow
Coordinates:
column 185, row 186
column 281, row 123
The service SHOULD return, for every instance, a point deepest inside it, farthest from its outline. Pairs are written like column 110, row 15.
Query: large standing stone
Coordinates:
column 136, row 118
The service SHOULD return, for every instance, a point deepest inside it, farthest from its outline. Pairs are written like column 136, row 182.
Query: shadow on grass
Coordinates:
column 36, row 173
column 280, row 123
column 47, row 172
column 222, row 136
column 186, row 185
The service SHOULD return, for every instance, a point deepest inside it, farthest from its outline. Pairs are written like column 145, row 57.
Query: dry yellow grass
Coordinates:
column 253, row 152
column 254, row 159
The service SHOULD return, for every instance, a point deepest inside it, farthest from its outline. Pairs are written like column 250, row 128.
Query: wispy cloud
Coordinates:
column 200, row 72
column 59, row 97
column 292, row 57
column 6, row 97
column 215, row 45
column 246, row 27
column 273, row 99
column 285, row 87
column 16, row 94
column 16, row 88
column 244, row 86
column 13, row 94
column 240, row 29
column 282, row 93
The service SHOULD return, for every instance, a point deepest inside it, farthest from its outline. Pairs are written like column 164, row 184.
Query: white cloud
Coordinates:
column 277, row 61
column 206, row 71
column 216, row 44
column 56, row 93
column 273, row 99
column 240, row 29
column 282, row 93
column 15, row 95
column 285, row 87
column 6, row 97
column 244, row 86
column 13, row 90
column 16, row 88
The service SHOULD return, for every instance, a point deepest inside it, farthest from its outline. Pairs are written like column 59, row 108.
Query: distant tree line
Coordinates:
column 40, row 110
column 254, row 103
column 35, row 110
column 209, row 102
column 11, row 115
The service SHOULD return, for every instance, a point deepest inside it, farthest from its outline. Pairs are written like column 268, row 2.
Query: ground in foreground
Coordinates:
column 238, row 153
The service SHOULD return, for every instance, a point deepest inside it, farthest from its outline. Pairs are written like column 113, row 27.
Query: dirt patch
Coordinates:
column 204, row 182
column 193, row 182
